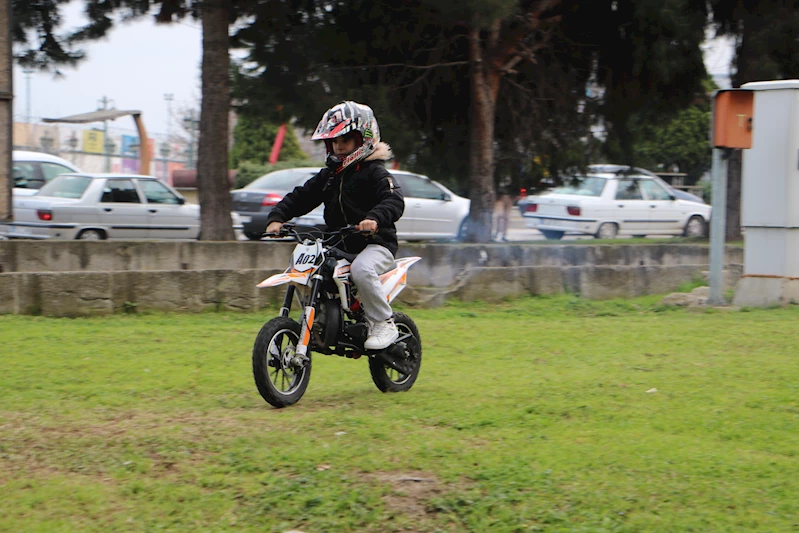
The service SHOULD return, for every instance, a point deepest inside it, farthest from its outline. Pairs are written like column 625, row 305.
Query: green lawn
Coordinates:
column 544, row 414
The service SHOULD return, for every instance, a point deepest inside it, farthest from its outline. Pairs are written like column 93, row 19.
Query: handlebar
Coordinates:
column 289, row 230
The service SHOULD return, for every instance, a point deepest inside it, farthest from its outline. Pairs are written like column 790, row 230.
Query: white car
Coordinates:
column 432, row 211
column 104, row 206
column 31, row 170
column 607, row 204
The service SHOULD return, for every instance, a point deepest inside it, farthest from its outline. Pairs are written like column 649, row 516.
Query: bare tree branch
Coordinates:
column 406, row 65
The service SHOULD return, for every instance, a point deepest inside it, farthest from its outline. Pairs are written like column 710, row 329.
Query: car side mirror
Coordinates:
column 181, row 200
column 673, row 197
column 446, row 197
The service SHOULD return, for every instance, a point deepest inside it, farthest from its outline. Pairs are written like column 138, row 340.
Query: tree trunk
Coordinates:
column 484, row 85
column 6, row 114
column 212, row 163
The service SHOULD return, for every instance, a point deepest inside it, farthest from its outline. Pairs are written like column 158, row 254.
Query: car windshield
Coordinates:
column 282, row 180
column 582, row 186
column 65, row 186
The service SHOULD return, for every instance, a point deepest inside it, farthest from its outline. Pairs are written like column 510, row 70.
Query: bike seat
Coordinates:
column 340, row 254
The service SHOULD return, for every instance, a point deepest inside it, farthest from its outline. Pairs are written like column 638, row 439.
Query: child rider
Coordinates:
column 356, row 189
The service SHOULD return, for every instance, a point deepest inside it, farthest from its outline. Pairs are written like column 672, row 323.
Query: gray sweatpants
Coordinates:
column 365, row 269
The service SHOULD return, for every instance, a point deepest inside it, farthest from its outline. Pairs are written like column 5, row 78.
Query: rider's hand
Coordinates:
column 274, row 227
column 367, row 224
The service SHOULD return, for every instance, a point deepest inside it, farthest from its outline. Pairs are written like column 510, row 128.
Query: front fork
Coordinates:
column 287, row 299
column 307, row 319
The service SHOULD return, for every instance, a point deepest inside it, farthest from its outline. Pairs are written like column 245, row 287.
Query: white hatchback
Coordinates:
column 104, row 206
column 31, row 170
column 607, row 204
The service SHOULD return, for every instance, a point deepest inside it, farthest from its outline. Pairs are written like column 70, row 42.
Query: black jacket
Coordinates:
column 362, row 190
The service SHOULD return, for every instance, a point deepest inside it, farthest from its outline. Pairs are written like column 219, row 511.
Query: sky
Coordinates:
column 140, row 62
column 134, row 67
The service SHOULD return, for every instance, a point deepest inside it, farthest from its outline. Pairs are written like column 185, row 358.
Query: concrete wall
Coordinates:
column 84, row 278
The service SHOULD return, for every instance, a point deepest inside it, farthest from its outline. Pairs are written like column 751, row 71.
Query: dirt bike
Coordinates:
column 332, row 321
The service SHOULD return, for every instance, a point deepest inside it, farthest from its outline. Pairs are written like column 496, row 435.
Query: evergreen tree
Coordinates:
column 253, row 140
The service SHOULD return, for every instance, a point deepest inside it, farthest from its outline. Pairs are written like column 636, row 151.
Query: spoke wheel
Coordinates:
column 280, row 377
column 388, row 379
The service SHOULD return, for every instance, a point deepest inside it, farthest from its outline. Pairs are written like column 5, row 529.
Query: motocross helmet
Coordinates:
column 345, row 118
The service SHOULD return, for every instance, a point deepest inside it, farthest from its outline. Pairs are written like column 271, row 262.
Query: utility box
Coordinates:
column 732, row 118
column 770, row 197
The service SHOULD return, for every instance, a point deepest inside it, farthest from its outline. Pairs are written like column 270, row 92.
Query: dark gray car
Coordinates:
column 255, row 201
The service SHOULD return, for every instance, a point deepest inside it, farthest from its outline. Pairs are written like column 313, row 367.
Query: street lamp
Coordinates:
column 168, row 98
column 191, row 122
column 72, row 142
column 164, row 151
column 109, row 150
column 47, row 142
column 28, row 72
column 105, row 102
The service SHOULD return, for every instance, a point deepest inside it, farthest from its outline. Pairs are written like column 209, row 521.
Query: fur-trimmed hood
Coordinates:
column 382, row 152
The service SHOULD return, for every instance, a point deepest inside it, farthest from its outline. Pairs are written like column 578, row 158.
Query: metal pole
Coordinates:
column 168, row 97
column 191, row 139
column 718, row 223
column 28, row 73
column 106, row 142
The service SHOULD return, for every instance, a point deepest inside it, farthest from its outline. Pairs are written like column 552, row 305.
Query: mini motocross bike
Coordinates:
column 332, row 322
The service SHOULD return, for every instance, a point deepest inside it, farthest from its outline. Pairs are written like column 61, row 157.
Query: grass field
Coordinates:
column 545, row 414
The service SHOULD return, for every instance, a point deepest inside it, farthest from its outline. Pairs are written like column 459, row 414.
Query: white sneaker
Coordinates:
column 381, row 335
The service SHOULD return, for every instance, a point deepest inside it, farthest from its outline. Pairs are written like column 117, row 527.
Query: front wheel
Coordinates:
column 463, row 230
column 386, row 378
column 253, row 236
column 695, row 227
column 280, row 377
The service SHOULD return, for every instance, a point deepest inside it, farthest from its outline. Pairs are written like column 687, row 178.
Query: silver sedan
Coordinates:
column 104, row 206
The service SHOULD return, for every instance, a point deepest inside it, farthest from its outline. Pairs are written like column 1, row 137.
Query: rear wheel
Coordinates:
column 695, row 227
column 280, row 377
column 91, row 235
column 387, row 378
column 552, row 235
column 608, row 230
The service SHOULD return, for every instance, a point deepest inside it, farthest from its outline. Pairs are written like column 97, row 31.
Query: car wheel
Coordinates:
column 91, row 235
column 552, row 235
column 608, row 230
column 639, row 236
column 463, row 230
column 252, row 235
column 695, row 227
